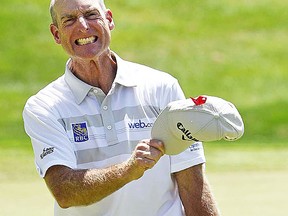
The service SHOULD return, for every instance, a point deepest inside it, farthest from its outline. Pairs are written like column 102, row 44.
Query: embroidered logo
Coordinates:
column 47, row 151
column 80, row 132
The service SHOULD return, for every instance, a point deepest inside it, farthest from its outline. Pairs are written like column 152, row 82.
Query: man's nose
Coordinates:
column 83, row 22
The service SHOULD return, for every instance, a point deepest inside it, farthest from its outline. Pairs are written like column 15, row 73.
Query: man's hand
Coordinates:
column 145, row 156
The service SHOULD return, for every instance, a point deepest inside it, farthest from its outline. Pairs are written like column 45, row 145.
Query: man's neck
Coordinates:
column 99, row 72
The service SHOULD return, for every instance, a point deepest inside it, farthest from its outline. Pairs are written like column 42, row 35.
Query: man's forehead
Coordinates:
column 70, row 5
column 52, row 2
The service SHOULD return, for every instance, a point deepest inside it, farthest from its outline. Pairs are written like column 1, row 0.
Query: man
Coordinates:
column 90, row 129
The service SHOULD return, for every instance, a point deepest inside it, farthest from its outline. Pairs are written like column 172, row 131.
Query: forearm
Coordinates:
column 84, row 187
column 201, row 203
column 195, row 193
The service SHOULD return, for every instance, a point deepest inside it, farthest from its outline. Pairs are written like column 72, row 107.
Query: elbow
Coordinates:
column 64, row 196
column 63, row 201
column 57, row 179
column 63, row 204
column 68, row 203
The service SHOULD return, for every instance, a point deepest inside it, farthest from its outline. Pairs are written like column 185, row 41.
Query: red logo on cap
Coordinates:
column 199, row 100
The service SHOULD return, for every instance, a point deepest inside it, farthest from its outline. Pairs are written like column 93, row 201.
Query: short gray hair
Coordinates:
column 53, row 14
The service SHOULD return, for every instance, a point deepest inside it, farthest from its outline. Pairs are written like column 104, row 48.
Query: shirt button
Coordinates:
column 95, row 91
column 105, row 107
column 109, row 127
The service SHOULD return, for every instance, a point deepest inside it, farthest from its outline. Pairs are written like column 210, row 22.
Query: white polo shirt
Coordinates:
column 74, row 124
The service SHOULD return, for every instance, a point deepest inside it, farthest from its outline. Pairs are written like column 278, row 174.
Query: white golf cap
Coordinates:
column 205, row 118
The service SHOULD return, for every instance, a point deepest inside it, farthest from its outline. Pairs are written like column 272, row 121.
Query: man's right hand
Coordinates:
column 145, row 156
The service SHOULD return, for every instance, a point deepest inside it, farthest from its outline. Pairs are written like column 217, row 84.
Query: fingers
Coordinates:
column 157, row 144
column 148, row 152
column 152, row 147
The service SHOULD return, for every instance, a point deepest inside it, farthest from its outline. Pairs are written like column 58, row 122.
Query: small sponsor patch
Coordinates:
column 195, row 147
column 80, row 132
column 47, row 151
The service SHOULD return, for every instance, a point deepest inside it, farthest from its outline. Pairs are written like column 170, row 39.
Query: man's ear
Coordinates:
column 55, row 32
column 109, row 17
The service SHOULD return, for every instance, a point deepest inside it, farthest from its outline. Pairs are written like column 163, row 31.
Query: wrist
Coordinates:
column 134, row 172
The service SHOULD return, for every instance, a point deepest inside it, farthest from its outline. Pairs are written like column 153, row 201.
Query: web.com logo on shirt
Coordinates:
column 140, row 124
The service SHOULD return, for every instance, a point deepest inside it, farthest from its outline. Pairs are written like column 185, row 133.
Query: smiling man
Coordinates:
column 91, row 128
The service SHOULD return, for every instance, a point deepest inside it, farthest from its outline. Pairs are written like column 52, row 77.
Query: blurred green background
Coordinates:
column 236, row 50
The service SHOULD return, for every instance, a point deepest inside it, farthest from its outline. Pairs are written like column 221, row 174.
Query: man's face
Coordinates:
column 83, row 28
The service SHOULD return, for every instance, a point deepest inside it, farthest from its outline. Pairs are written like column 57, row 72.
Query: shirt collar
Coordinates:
column 125, row 73
column 80, row 89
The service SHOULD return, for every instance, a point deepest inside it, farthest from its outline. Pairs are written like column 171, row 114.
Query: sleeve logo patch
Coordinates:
column 46, row 151
column 80, row 132
column 195, row 147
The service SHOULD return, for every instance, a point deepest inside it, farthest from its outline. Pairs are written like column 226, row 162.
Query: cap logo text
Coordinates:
column 186, row 133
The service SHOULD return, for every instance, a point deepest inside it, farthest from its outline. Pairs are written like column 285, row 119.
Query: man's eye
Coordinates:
column 68, row 21
column 92, row 16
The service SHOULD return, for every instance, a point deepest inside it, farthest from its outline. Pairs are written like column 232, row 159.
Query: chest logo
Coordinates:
column 80, row 132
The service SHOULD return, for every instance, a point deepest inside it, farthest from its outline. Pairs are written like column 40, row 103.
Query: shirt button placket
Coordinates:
column 105, row 108
column 108, row 122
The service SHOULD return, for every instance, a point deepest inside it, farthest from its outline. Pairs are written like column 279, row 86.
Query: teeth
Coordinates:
column 84, row 41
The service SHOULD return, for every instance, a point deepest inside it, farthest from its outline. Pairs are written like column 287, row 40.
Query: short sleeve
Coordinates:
column 50, row 142
column 192, row 156
column 171, row 93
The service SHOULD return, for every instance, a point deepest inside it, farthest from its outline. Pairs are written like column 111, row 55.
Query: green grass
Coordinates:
column 236, row 50
column 250, row 193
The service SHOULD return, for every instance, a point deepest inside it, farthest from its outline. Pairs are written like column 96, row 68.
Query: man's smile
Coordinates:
column 85, row 41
